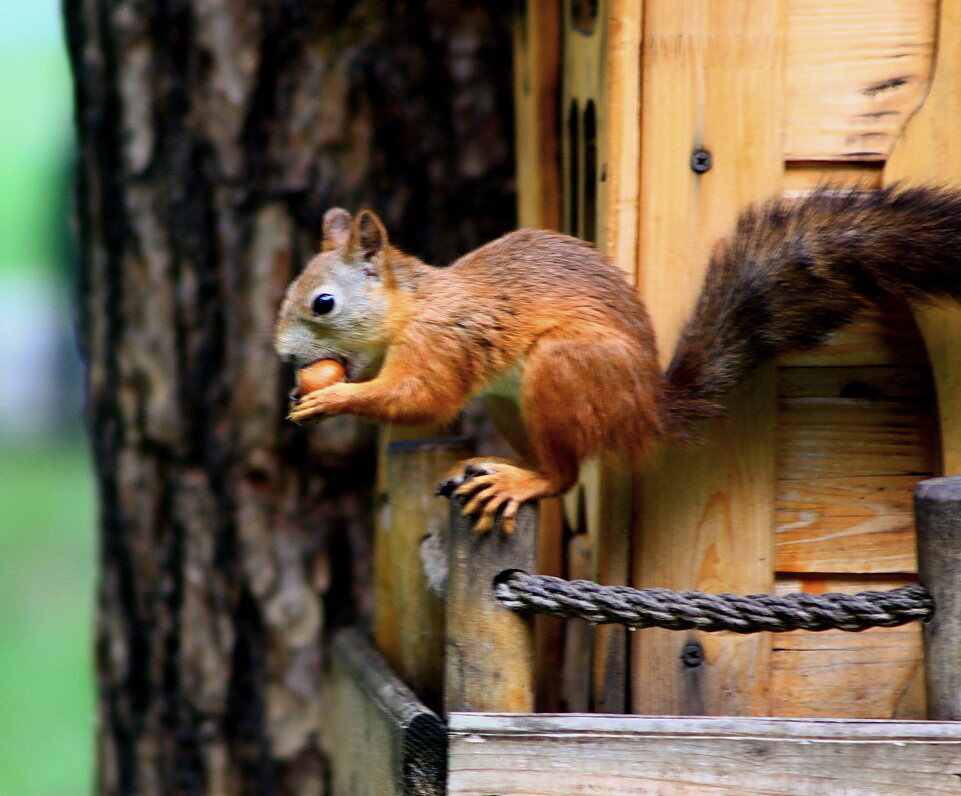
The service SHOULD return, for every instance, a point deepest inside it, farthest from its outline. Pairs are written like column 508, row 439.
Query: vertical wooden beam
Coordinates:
column 537, row 60
column 712, row 81
column 611, row 492
column 408, row 617
column 620, row 155
column 927, row 152
column 937, row 503
column 490, row 649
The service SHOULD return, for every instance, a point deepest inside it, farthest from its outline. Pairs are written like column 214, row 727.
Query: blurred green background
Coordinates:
column 47, row 513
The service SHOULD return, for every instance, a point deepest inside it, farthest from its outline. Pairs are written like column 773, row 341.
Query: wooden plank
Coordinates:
column 926, row 152
column 409, row 617
column 857, row 497
column 385, row 741
column 887, row 336
column 877, row 673
column 605, row 67
column 803, row 177
column 938, row 503
column 845, row 524
column 617, row 756
column 620, row 154
column 849, row 437
column 855, row 72
column 490, row 649
column 537, row 64
column 808, row 543
column 711, row 79
column 875, row 383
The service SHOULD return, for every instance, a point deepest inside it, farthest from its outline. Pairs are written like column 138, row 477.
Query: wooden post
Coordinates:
column 490, row 649
column 387, row 743
column 409, row 617
column 937, row 505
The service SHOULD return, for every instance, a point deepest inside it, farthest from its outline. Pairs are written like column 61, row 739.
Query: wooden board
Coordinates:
column 382, row 740
column 887, row 336
column 926, row 152
column 627, row 755
column 711, row 79
column 829, row 438
column 874, row 674
column 855, row 71
column 537, row 64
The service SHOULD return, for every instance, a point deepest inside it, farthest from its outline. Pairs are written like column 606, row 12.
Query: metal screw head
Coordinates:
column 701, row 161
column 692, row 654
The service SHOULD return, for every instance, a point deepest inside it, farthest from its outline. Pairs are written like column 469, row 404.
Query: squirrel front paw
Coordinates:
column 319, row 405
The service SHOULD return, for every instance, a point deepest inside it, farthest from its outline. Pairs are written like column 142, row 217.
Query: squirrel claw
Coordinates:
column 490, row 491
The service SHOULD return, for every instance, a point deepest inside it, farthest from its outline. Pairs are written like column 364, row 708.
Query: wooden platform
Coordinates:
column 388, row 743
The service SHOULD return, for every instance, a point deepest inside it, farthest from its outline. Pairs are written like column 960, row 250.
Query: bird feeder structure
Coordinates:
column 646, row 126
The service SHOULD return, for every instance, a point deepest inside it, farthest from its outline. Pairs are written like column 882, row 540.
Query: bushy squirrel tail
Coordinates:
column 793, row 271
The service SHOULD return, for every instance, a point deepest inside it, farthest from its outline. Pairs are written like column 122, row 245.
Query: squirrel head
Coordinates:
column 337, row 308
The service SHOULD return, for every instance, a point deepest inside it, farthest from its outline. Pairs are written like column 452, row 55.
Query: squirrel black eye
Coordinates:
column 322, row 304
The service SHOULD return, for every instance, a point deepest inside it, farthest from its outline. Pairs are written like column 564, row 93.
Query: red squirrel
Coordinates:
column 549, row 322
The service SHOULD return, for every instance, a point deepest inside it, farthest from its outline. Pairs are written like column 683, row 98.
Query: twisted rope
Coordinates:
column 683, row 610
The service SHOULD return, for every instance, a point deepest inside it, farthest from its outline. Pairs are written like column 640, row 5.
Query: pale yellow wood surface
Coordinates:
column 711, row 78
column 855, row 71
column 807, row 543
column 654, row 756
column 602, row 67
column 537, row 60
column 584, row 40
column 877, row 337
column 836, row 437
column 926, row 152
column 620, row 153
column 853, row 524
column 874, row 674
column 803, row 177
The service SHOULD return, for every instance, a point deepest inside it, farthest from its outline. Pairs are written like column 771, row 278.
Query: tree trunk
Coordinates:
column 213, row 134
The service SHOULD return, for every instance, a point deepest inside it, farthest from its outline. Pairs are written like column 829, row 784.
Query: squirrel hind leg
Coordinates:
column 493, row 487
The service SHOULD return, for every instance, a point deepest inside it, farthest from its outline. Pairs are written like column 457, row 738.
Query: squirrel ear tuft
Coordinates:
column 336, row 228
column 370, row 237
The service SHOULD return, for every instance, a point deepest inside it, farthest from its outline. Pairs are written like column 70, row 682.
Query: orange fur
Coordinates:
column 552, row 314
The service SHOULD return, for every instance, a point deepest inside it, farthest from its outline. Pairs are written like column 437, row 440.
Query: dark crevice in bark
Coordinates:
column 279, row 513
column 245, row 711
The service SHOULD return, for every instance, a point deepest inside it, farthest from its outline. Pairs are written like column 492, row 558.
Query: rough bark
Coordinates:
column 212, row 136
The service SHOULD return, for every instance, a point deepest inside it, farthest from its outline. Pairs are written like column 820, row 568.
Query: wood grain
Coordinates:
column 490, row 649
column 387, row 741
column 809, row 543
column 408, row 616
column 885, row 336
column 855, row 72
column 711, row 79
column 620, row 154
column 938, row 504
column 926, row 152
column 875, row 674
column 537, row 69
column 630, row 755
column 839, row 437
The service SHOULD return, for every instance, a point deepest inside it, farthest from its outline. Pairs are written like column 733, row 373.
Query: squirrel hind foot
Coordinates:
column 494, row 488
